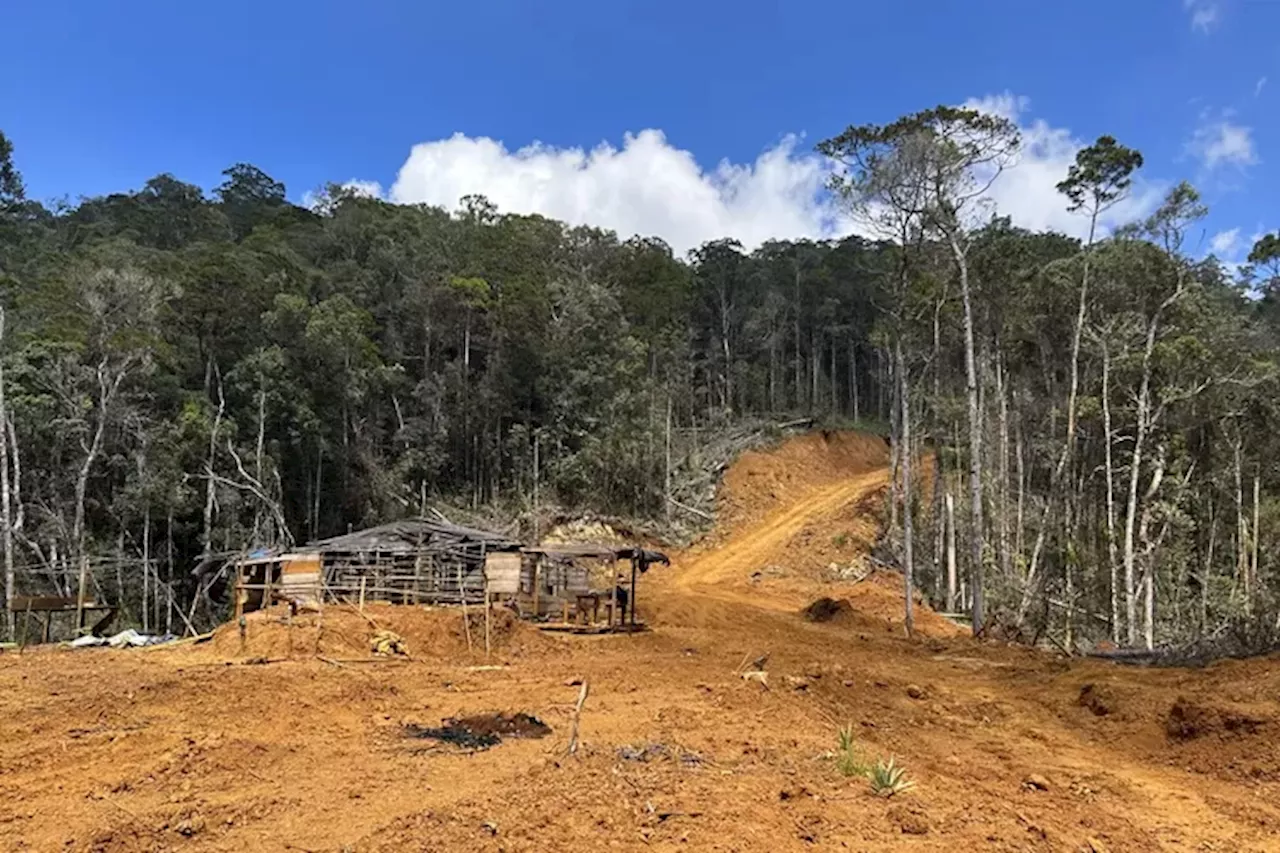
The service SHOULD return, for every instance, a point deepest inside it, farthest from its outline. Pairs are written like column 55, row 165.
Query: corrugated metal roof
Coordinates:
column 411, row 534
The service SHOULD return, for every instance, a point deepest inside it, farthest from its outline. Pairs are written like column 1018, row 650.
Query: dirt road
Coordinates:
column 211, row 749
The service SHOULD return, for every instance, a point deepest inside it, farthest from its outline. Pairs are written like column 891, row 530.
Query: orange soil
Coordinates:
column 197, row 748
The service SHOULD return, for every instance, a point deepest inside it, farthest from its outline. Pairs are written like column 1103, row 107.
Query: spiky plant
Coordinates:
column 848, row 761
column 888, row 778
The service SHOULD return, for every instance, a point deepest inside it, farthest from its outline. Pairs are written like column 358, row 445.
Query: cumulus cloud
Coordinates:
column 1027, row 190
column 1218, row 142
column 1205, row 14
column 650, row 186
column 1224, row 244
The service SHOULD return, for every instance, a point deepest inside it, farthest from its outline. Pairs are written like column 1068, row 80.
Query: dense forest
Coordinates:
column 1083, row 429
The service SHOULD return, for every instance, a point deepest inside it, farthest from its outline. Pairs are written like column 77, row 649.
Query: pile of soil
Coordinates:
column 341, row 631
column 482, row 730
column 826, row 609
column 1097, row 698
column 1189, row 719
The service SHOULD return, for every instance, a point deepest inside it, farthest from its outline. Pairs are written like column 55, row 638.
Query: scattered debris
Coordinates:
column 915, row 691
column 126, row 638
column 577, row 717
column 388, row 643
column 757, row 675
column 1035, row 782
column 647, row 752
column 482, row 731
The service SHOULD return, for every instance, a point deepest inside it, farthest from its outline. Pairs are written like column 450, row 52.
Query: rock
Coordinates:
column 848, row 682
column 915, row 691
column 1096, row 846
column 796, row 682
column 813, row 670
column 1035, row 782
column 190, row 826
column 1097, row 699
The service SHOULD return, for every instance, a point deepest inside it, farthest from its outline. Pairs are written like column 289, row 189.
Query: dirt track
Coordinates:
column 201, row 749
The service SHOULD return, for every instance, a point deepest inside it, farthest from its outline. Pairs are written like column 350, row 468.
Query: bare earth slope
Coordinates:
column 203, row 749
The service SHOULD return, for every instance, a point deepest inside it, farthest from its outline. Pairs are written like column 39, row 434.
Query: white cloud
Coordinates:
column 1257, row 87
column 1220, row 142
column 1027, row 190
column 1225, row 243
column 1204, row 13
column 649, row 186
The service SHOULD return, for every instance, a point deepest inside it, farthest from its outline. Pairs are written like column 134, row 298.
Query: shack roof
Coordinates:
column 600, row 551
column 412, row 534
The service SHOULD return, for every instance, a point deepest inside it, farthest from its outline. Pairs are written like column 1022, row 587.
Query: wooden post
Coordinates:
column 488, row 608
column 613, row 592
column 577, row 717
column 26, row 623
column 466, row 623
column 241, row 592
column 80, row 597
column 266, row 583
column 363, row 578
column 631, row 604
column 537, row 564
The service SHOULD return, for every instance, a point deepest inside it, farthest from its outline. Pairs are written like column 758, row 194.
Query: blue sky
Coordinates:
column 97, row 97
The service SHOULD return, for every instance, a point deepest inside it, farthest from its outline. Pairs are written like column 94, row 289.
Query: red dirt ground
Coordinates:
column 219, row 748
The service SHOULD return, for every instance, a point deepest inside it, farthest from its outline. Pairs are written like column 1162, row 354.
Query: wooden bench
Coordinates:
column 51, row 604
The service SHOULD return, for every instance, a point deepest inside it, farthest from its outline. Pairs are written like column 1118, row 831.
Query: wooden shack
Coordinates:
column 583, row 587
column 415, row 561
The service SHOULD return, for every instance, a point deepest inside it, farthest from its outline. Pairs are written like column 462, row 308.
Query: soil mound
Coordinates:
column 1097, row 699
column 481, row 731
column 1188, row 720
column 826, row 609
column 341, row 631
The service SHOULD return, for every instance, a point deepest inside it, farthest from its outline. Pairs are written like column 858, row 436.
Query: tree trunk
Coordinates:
column 6, row 506
column 1006, row 556
column 1108, row 439
column 908, row 552
column 1135, row 470
column 977, row 540
column 146, row 569
column 952, row 602
column 853, row 377
column 210, row 491
column 168, row 607
column 1242, row 528
column 1253, row 564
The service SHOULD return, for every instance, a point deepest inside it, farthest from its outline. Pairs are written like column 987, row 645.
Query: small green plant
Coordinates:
column 889, row 778
column 840, row 540
column 848, row 760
